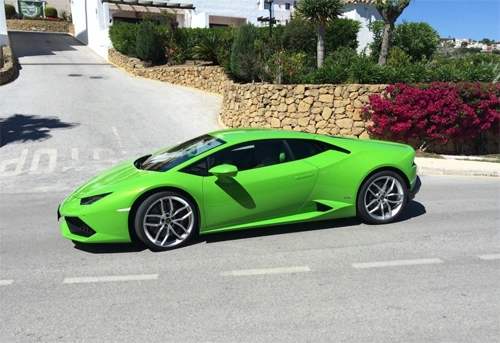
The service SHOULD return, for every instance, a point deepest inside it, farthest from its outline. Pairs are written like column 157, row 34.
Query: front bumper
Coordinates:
column 88, row 224
column 415, row 189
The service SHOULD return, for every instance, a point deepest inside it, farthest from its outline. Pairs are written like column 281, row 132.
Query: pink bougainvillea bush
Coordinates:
column 437, row 113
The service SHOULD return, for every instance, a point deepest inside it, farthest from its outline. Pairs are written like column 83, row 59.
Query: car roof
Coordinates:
column 248, row 134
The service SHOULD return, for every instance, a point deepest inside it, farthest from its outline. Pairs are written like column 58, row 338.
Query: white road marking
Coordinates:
column 111, row 278
column 246, row 272
column 6, row 282
column 52, row 154
column 96, row 153
column 19, row 165
column 120, row 143
column 490, row 257
column 397, row 263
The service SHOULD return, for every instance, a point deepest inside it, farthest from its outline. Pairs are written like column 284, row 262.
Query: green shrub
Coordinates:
column 335, row 69
column 341, row 33
column 284, row 68
column 10, row 11
column 364, row 70
column 227, row 35
column 149, row 46
column 300, row 36
column 64, row 15
column 398, row 58
column 50, row 12
column 207, row 48
column 123, row 36
column 245, row 63
column 187, row 38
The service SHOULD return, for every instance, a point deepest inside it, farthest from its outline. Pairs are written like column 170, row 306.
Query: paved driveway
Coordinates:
column 71, row 114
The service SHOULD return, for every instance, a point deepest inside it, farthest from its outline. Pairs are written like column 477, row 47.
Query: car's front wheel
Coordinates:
column 166, row 220
column 382, row 198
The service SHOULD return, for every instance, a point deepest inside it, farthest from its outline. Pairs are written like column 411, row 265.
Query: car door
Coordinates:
column 261, row 189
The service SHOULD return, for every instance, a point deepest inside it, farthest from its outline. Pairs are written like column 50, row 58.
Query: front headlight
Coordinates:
column 93, row 199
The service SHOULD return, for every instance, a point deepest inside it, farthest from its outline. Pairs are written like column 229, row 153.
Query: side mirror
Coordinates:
column 224, row 171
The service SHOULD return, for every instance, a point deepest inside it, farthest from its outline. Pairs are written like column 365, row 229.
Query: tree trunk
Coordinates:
column 384, row 50
column 320, row 51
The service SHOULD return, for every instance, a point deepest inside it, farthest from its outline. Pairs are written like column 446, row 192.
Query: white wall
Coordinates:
column 91, row 20
column 249, row 9
column 4, row 37
column 365, row 15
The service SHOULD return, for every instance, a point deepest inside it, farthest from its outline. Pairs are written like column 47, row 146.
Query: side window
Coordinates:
column 197, row 168
column 251, row 155
column 303, row 148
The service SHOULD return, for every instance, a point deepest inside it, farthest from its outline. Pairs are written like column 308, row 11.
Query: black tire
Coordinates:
column 382, row 198
column 166, row 220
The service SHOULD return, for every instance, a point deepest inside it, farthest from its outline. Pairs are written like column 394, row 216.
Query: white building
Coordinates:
column 92, row 18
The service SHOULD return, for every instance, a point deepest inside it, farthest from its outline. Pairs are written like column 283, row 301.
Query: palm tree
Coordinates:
column 320, row 12
column 390, row 10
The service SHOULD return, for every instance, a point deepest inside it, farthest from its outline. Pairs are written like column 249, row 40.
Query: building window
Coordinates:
column 287, row 6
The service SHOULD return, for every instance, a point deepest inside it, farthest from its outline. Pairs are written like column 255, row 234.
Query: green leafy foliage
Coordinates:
column 215, row 46
column 64, row 15
column 417, row 40
column 187, row 38
column 245, row 63
column 284, row 67
column 319, row 11
column 10, row 11
column 300, row 36
column 123, row 36
column 50, row 12
column 149, row 46
column 341, row 33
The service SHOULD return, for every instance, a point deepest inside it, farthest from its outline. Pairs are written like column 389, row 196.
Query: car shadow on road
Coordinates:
column 118, row 248
column 277, row 230
column 23, row 127
column 413, row 209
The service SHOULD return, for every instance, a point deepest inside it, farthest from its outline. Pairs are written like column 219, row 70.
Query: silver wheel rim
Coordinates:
column 168, row 221
column 384, row 198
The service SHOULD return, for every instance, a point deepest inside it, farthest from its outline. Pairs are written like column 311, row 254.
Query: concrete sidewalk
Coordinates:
column 456, row 166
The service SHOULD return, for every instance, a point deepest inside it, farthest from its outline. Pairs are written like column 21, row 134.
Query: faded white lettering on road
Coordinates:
column 18, row 162
column 47, row 166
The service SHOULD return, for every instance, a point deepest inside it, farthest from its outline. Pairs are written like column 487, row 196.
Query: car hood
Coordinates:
column 111, row 180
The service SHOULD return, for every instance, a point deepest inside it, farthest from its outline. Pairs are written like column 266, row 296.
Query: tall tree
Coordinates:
column 390, row 10
column 320, row 12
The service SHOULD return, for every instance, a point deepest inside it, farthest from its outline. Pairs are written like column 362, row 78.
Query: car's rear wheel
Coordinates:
column 166, row 220
column 382, row 198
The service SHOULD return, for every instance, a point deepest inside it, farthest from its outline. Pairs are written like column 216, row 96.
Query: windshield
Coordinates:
column 180, row 153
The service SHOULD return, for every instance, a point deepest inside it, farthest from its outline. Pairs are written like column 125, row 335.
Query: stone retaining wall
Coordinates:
column 209, row 79
column 326, row 109
column 41, row 25
column 9, row 70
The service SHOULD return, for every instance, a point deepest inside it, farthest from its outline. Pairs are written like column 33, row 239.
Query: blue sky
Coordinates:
column 474, row 19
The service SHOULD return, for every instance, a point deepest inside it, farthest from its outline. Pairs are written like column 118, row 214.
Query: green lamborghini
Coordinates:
column 237, row 179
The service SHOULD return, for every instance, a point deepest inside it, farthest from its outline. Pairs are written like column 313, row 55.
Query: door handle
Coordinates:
column 304, row 176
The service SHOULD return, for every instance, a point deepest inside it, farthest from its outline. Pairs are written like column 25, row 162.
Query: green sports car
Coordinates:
column 237, row 179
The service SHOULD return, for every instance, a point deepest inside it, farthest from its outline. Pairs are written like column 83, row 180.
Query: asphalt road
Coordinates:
column 432, row 277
